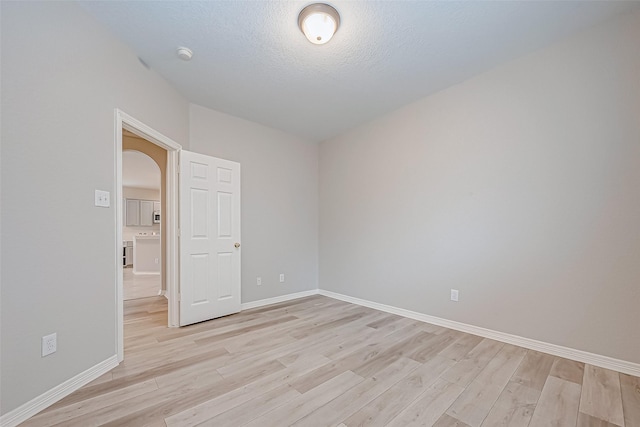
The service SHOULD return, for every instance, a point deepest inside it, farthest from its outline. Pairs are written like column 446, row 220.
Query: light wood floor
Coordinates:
column 322, row 362
column 137, row 286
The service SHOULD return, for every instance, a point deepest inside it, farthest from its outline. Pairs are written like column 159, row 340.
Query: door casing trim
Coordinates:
column 125, row 121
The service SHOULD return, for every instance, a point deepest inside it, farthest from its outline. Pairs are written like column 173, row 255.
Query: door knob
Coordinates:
column 237, row 245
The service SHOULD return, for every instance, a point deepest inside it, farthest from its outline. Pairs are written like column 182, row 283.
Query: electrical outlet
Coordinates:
column 259, row 281
column 157, row 260
column 102, row 199
column 49, row 344
column 281, row 277
column 454, row 295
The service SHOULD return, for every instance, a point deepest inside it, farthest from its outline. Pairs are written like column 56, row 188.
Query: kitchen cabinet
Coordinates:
column 146, row 212
column 146, row 254
column 139, row 212
column 132, row 212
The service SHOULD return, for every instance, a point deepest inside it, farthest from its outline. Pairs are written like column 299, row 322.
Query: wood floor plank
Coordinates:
column 630, row 388
column 601, row 395
column 478, row 398
column 388, row 318
column 558, row 404
column 356, row 359
column 458, row 349
column 204, row 411
column 194, row 395
column 429, row 406
column 396, row 329
column 322, row 362
column 392, row 402
column 119, row 383
column 514, row 407
column 355, row 398
column 399, row 349
column 341, row 320
column 464, row 371
column 585, row 420
column 66, row 413
column 568, row 370
column 534, row 370
column 280, row 353
column 433, row 345
column 448, row 421
column 295, row 409
column 124, row 410
column 204, row 372
column 254, row 408
column 241, row 331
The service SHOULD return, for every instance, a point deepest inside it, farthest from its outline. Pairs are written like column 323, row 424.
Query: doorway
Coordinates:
column 126, row 123
column 143, row 170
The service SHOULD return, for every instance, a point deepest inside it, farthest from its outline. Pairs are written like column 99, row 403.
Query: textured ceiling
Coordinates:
column 251, row 60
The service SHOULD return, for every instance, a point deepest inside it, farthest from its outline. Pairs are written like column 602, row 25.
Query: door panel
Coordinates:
column 209, row 231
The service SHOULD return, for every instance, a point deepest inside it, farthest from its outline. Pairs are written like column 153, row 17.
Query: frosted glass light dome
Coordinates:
column 319, row 22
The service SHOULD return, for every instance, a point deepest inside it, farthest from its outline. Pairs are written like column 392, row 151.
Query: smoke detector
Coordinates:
column 184, row 53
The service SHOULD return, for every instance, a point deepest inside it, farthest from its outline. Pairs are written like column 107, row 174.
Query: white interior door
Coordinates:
column 209, row 237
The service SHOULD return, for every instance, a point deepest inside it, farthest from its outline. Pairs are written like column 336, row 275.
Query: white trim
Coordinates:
column 607, row 362
column 48, row 398
column 125, row 121
column 275, row 300
column 173, row 283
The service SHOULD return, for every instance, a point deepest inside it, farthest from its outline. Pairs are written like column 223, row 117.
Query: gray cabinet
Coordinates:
column 139, row 212
column 132, row 212
column 146, row 212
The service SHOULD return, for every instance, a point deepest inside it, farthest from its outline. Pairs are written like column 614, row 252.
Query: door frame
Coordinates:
column 125, row 121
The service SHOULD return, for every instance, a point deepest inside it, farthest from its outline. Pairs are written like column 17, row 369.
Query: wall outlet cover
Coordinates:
column 282, row 278
column 454, row 295
column 49, row 344
column 259, row 281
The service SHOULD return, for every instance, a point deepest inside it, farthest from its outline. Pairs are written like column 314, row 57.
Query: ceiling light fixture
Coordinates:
column 319, row 22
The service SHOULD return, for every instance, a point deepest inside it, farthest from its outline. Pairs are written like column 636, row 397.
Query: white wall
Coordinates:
column 519, row 187
column 142, row 194
column 63, row 75
column 279, row 185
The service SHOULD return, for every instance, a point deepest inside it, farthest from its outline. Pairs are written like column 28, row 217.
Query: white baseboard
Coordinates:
column 274, row 300
column 606, row 362
column 31, row 408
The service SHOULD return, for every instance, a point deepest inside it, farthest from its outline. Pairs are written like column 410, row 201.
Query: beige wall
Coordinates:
column 519, row 188
column 279, row 200
column 63, row 75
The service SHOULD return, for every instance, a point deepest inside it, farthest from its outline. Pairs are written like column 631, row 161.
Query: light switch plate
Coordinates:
column 454, row 295
column 102, row 199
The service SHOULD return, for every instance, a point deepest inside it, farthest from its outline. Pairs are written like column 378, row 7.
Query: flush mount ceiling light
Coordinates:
column 319, row 22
